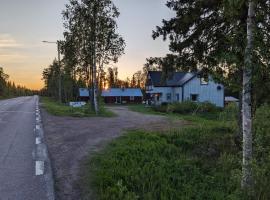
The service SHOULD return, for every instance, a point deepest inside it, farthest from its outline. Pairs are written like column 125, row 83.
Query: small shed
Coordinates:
column 122, row 95
column 84, row 94
column 230, row 99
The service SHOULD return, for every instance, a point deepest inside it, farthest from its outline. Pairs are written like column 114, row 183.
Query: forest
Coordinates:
column 9, row 89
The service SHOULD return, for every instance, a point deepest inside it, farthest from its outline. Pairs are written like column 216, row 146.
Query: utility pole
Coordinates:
column 59, row 65
column 59, row 78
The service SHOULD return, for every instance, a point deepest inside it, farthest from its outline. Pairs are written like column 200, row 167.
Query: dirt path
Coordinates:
column 71, row 139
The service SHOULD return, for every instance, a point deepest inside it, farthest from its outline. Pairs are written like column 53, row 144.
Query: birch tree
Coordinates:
column 246, row 100
column 92, row 23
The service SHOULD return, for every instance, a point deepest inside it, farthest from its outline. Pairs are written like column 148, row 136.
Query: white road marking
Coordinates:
column 38, row 140
column 37, row 127
column 39, row 168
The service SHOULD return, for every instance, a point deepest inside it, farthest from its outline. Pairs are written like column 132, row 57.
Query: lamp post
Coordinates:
column 59, row 64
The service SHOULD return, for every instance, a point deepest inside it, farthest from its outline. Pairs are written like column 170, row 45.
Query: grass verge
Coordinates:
column 195, row 162
column 55, row 108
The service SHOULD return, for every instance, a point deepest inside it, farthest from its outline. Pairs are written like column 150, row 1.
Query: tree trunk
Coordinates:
column 246, row 102
column 239, row 132
column 95, row 64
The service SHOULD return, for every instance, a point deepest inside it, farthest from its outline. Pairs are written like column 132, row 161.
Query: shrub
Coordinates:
column 230, row 113
column 182, row 108
column 161, row 108
column 207, row 107
column 261, row 129
column 187, row 107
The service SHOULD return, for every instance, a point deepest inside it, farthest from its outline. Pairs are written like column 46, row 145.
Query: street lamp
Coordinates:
column 59, row 63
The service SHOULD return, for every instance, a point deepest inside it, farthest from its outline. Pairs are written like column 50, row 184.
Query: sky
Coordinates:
column 25, row 24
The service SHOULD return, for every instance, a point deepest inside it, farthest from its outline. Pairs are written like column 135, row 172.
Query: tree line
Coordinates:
column 70, row 86
column 10, row 89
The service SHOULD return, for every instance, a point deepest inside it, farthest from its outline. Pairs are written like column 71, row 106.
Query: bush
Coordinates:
column 187, row 107
column 182, row 108
column 161, row 108
column 207, row 107
column 230, row 113
column 261, row 129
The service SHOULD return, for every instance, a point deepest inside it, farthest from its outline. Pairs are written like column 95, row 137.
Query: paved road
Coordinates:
column 18, row 167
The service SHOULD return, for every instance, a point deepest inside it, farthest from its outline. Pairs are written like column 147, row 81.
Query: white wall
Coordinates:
column 177, row 90
column 165, row 90
column 207, row 92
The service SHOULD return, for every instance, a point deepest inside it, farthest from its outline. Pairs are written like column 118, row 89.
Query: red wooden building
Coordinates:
column 122, row 95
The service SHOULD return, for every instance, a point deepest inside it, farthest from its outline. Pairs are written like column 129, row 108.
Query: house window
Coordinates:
column 194, row 97
column 149, row 87
column 204, row 80
column 169, row 96
column 132, row 98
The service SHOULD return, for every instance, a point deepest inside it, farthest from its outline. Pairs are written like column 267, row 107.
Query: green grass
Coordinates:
column 5, row 97
column 218, row 117
column 195, row 162
column 143, row 109
column 55, row 108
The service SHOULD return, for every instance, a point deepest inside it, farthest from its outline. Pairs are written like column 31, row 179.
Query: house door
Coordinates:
column 118, row 100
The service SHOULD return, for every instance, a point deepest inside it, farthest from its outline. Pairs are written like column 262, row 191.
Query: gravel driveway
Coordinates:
column 70, row 140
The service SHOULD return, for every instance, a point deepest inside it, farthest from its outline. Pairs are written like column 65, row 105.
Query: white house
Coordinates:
column 182, row 86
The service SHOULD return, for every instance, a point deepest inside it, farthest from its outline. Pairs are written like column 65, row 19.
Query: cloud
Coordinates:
column 12, row 58
column 11, row 50
column 7, row 41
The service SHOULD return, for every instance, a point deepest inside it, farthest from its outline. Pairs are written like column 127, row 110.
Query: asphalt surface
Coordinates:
column 18, row 167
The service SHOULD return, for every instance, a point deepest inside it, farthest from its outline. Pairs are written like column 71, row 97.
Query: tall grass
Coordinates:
column 199, row 162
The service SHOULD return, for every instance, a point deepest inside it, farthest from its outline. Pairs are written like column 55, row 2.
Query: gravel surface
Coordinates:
column 70, row 140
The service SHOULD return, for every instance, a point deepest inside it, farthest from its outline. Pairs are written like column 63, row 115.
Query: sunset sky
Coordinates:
column 25, row 23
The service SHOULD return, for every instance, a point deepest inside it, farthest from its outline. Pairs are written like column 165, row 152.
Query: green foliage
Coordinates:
column 261, row 165
column 59, row 109
column 230, row 113
column 194, row 163
column 161, row 108
column 187, row 107
column 182, row 108
column 141, row 108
